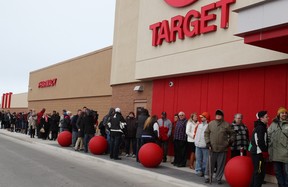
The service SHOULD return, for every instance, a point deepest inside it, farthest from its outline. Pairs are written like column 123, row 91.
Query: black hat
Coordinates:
column 219, row 112
column 164, row 114
column 261, row 114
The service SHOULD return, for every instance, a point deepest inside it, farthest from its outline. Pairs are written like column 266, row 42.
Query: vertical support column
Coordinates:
column 9, row 99
column 2, row 102
column 6, row 97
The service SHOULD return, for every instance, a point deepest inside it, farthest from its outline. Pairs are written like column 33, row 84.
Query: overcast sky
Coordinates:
column 38, row 33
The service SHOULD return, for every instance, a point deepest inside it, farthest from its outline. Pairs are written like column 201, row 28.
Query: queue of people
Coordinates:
column 205, row 143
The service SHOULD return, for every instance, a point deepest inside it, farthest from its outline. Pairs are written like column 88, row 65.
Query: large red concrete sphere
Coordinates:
column 65, row 139
column 98, row 145
column 238, row 171
column 150, row 155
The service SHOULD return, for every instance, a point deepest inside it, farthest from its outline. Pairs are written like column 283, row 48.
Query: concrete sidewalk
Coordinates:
column 183, row 176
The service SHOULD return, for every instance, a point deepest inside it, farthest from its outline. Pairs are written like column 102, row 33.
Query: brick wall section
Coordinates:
column 124, row 96
column 100, row 104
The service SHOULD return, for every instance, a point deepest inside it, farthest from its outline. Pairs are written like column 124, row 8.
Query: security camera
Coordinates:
column 171, row 83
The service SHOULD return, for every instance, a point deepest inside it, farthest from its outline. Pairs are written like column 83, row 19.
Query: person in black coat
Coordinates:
column 116, row 125
column 130, row 134
column 89, row 128
column 80, row 126
column 54, row 125
column 259, row 149
column 45, row 124
column 140, row 125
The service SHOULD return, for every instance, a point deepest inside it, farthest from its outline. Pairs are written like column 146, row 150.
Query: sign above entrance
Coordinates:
column 179, row 3
column 194, row 23
column 47, row 83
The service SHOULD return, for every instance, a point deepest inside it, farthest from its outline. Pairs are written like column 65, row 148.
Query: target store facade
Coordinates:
column 197, row 56
column 179, row 55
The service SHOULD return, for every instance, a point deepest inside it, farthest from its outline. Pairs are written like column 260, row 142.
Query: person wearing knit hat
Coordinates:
column 259, row 148
column 277, row 146
column 281, row 110
column 206, row 115
column 218, row 137
column 117, row 110
column 201, row 147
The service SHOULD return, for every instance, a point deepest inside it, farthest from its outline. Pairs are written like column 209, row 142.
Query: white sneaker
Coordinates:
column 127, row 155
column 133, row 156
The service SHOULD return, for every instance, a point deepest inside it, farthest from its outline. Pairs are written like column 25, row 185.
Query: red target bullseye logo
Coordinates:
column 179, row 3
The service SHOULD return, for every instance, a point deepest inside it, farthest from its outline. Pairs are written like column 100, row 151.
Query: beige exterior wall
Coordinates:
column 215, row 51
column 19, row 100
column 84, row 76
column 81, row 81
column 125, row 42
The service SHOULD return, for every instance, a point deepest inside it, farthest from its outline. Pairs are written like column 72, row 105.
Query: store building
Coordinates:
column 170, row 55
column 202, row 55
column 204, row 67
column 73, row 84
column 14, row 102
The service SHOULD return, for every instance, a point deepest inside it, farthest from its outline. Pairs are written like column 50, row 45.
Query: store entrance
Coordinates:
column 138, row 105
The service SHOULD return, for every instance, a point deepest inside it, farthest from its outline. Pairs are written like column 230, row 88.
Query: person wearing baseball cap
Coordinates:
column 259, row 148
column 218, row 137
column 165, row 129
column 277, row 147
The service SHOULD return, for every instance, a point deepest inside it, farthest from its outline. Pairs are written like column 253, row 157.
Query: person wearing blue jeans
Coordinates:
column 201, row 147
column 201, row 160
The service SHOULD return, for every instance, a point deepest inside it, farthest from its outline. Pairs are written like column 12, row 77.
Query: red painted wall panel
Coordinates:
column 230, row 94
column 215, row 92
column 245, row 91
column 251, row 94
column 275, row 88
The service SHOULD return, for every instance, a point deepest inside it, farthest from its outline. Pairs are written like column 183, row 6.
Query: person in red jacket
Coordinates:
column 165, row 130
column 38, row 126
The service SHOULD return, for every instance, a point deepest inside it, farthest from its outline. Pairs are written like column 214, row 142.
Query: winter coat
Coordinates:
column 73, row 123
column 54, row 123
column 220, row 135
column 152, row 131
column 190, row 130
column 66, row 123
column 241, row 137
column 165, row 129
column 88, row 123
column 131, row 127
column 141, row 120
column 199, row 137
column 278, row 142
column 32, row 121
column 259, row 138
column 114, row 124
column 80, row 126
